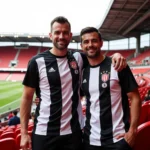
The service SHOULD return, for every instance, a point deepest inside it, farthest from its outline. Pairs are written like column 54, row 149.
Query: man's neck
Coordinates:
column 57, row 52
column 96, row 61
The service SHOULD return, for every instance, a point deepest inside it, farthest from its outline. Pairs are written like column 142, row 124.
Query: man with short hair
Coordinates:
column 107, row 92
column 55, row 76
column 14, row 120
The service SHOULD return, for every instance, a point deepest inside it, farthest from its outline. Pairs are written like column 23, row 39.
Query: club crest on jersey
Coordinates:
column 105, row 77
column 73, row 64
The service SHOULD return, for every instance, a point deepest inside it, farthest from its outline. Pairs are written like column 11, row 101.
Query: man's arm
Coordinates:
column 25, row 109
column 135, row 114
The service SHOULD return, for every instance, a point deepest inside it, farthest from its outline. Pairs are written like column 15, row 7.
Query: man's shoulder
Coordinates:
column 12, row 118
column 42, row 54
column 80, row 55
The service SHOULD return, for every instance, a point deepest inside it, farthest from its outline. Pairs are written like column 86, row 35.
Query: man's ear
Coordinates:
column 50, row 36
column 101, row 43
column 81, row 45
column 70, row 36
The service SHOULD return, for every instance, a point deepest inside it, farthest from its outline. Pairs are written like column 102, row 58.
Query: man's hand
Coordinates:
column 25, row 142
column 118, row 61
column 129, row 137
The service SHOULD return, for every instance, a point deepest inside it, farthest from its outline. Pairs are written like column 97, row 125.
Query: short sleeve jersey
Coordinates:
column 57, row 81
column 107, row 113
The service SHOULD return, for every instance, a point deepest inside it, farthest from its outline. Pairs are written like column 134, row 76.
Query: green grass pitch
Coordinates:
column 10, row 95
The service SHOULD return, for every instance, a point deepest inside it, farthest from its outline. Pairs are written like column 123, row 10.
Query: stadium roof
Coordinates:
column 126, row 18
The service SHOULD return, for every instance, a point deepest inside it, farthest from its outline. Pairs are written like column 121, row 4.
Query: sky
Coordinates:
column 34, row 16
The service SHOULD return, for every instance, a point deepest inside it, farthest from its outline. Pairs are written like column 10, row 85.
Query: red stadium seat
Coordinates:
column 12, row 127
column 143, row 137
column 1, row 131
column 7, row 135
column 147, row 102
column 17, row 131
column 18, row 138
column 8, row 144
column 30, row 127
column 144, row 113
column 8, row 130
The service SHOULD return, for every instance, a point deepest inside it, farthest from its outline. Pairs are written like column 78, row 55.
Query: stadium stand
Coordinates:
column 8, row 144
column 18, row 138
column 125, row 53
column 11, row 134
column 137, row 71
column 17, row 77
column 25, row 55
column 141, row 57
column 43, row 49
column 126, row 20
column 7, row 135
column 143, row 136
column 3, row 75
column 6, row 55
column 144, row 113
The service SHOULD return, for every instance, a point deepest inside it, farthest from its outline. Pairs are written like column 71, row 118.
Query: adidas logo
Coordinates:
column 84, row 81
column 51, row 70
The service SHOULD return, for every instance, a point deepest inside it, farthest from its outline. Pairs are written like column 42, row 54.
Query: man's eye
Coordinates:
column 94, row 41
column 85, row 42
column 57, row 32
column 66, row 33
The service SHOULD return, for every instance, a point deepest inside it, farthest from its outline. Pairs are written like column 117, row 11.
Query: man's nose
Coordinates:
column 90, row 43
column 61, row 35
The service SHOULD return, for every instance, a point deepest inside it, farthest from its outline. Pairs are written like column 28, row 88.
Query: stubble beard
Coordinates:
column 93, row 56
column 61, row 48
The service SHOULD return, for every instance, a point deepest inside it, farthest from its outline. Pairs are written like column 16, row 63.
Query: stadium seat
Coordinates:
column 7, row 135
column 147, row 102
column 17, row 131
column 30, row 127
column 18, row 138
column 144, row 113
column 8, row 144
column 12, row 127
column 1, row 131
column 18, row 126
column 8, row 130
column 143, row 135
column 5, row 127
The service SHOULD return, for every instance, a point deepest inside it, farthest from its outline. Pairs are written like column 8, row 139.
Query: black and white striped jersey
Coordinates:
column 57, row 81
column 107, row 113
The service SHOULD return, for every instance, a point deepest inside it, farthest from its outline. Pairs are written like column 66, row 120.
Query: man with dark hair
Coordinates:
column 60, row 20
column 107, row 92
column 55, row 76
column 14, row 120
